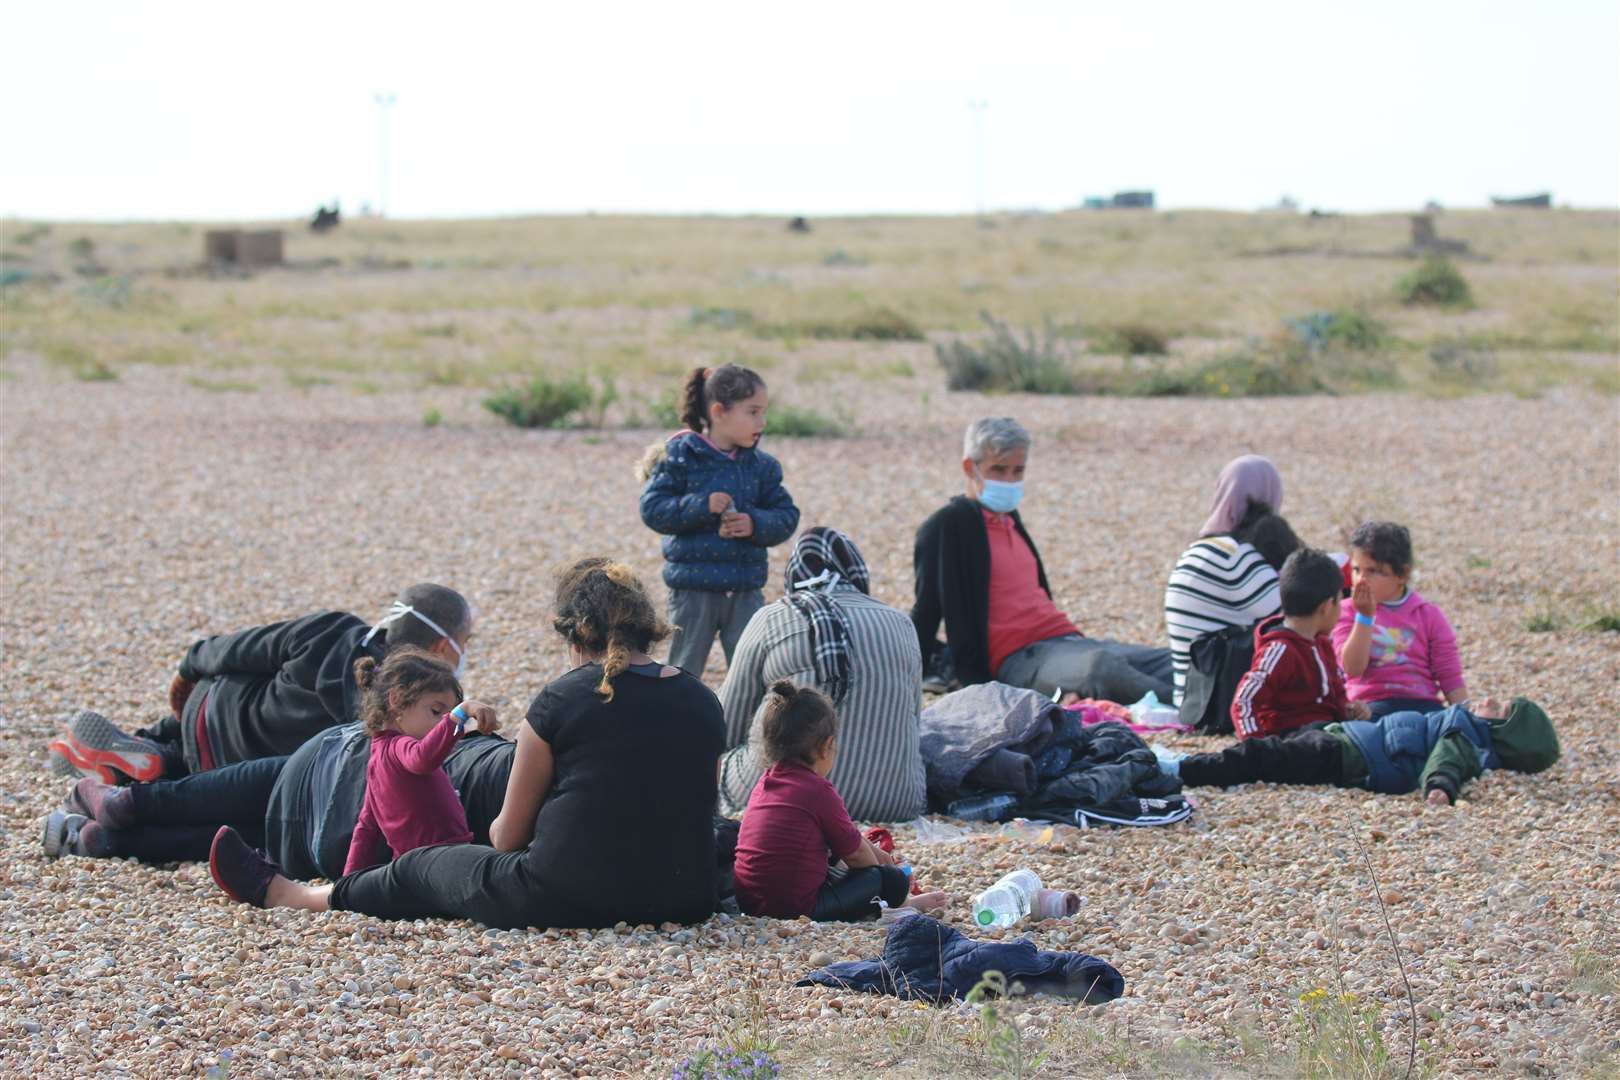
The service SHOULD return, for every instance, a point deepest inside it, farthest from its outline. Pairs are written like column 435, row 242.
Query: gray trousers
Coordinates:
column 1092, row 668
column 699, row 615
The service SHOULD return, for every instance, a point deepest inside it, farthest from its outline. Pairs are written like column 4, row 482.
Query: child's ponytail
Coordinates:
column 365, row 672
column 694, row 414
column 796, row 722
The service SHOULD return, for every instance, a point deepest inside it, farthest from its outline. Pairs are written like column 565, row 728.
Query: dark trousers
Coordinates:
column 455, row 881
column 1390, row 706
column 855, row 896
column 176, row 819
column 1308, row 756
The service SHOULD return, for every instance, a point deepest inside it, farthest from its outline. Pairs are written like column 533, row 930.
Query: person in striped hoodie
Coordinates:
column 1295, row 679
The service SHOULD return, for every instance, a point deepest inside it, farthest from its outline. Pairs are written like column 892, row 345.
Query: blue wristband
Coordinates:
column 1364, row 620
column 461, row 718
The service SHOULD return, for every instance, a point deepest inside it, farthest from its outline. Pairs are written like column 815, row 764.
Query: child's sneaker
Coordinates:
column 74, row 834
column 244, row 873
column 94, row 746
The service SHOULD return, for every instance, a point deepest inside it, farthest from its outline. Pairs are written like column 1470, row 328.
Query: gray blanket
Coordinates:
column 961, row 730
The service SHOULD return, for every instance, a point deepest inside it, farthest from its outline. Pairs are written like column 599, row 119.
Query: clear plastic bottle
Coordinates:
column 1008, row 900
column 984, row 807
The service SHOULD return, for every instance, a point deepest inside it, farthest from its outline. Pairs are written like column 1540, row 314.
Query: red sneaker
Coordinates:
column 96, row 747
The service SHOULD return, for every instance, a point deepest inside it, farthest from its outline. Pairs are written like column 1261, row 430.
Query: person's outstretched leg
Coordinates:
column 231, row 794
column 249, row 877
column 1306, row 757
column 856, row 895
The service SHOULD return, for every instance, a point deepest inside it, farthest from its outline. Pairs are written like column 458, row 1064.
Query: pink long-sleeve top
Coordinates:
column 410, row 802
column 1414, row 652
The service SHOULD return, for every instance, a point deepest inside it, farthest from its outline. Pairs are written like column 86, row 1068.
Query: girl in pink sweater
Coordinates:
column 407, row 710
column 1397, row 650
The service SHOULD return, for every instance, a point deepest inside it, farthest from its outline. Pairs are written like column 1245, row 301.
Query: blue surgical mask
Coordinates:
column 1001, row 497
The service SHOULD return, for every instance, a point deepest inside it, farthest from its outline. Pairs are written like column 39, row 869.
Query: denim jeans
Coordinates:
column 1092, row 668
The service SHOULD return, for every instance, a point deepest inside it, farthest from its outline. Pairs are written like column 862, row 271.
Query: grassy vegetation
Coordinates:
column 1177, row 301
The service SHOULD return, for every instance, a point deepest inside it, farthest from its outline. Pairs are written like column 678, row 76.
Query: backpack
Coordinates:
column 1219, row 661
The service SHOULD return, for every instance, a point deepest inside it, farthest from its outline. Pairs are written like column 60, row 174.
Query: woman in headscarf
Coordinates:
column 827, row 632
column 1228, row 577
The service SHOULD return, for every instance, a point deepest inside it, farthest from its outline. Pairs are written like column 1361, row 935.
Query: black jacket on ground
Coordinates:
column 270, row 688
column 951, row 561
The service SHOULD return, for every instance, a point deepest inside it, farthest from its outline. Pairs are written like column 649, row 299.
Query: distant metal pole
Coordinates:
column 977, row 106
column 384, row 103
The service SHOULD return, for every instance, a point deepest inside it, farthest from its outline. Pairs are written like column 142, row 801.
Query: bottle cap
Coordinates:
column 984, row 916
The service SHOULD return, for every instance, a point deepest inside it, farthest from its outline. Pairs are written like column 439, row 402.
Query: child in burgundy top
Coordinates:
column 795, row 820
column 1397, row 650
column 406, row 708
column 1294, row 679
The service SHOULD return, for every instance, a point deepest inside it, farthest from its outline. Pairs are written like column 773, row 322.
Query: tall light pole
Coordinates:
column 384, row 103
column 977, row 106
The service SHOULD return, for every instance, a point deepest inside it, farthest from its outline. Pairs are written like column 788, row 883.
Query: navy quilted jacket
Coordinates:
column 925, row 960
column 675, row 502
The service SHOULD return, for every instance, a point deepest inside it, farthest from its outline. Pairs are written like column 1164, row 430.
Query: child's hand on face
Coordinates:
column 1438, row 797
column 480, row 717
column 1361, row 598
column 719, row 502
column 736, row 526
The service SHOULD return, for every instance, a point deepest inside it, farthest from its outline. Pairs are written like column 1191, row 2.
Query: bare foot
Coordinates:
column 284, row 892
column 1488, row 708
column 928, row 901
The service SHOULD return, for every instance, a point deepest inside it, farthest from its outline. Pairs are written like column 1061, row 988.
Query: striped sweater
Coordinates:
column 879, row 771
column 1218, row 582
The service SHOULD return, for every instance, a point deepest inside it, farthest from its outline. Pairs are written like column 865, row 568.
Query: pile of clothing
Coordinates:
column 925, row 960
column 994, row 739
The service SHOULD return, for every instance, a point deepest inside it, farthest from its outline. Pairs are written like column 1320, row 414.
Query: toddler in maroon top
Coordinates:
column 409, row 709
column 796, row 827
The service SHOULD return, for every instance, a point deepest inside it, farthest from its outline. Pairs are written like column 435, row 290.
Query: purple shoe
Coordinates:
column 109, row 805
column 244, row 873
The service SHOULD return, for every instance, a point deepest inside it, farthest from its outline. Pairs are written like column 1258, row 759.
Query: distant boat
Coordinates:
column 1541, row 201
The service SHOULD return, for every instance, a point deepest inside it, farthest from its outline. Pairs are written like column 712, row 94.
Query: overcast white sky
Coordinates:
column 233, row 110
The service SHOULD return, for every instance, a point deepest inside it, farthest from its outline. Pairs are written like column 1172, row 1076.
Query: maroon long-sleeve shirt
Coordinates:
column 410, row 802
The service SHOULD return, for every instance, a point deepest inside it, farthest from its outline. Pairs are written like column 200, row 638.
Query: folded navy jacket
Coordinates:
column 925, row 960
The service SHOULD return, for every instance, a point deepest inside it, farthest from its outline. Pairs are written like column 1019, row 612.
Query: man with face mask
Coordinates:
column 978, row 571
column 262, row 692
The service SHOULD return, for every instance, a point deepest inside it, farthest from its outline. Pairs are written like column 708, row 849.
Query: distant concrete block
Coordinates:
column 238, row 247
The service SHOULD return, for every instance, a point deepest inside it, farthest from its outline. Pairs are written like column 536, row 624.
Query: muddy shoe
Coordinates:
column 108, row 805
column 74, row 834
column 243, row 872
column 94, row 746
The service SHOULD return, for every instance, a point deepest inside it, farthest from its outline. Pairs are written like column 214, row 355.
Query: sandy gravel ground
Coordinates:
column 141, row 514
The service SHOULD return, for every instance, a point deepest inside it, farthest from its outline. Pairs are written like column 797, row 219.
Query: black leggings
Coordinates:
column 175, row 820
column 453, row 881
column 1310, row 756
column 855, row 896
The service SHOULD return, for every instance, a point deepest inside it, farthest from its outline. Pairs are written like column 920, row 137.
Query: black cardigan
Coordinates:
column 951, row 561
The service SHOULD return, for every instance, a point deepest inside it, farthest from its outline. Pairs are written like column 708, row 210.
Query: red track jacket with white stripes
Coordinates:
column 1292, row 682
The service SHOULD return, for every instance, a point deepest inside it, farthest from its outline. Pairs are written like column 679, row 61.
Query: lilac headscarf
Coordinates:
column 1250, row 477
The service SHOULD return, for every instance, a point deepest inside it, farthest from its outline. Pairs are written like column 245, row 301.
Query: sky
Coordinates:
column 222, row 111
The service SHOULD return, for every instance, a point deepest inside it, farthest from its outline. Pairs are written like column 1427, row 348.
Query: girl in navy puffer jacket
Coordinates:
column 719, row 501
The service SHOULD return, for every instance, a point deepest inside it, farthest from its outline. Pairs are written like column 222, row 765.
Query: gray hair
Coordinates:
column 995, row 435
column 443, row 605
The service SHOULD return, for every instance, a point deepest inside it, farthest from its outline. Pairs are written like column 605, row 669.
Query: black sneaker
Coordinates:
column 244, row 873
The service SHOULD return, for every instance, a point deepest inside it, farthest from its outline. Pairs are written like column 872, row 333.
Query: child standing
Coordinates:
column 1294, row 678
column 1397, row 650
column 409, row 709
column 719, row 501
column 795, row 820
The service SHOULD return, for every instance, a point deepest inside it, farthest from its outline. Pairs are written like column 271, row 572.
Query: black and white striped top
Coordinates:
column 1218, row 582
column 879, row 771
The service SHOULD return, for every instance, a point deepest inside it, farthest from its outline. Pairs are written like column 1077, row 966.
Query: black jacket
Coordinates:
column 270, row 688
column 951, row 561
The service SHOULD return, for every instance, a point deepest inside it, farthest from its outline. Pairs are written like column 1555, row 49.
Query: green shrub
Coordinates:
column 804, row 423
column 432, row 417
column 1458, row 361
column 1344, row 327
column 1131, row 339
column 1037, row 364
column 544, row 402
column 1605, row 620
column 718, row 318
column 1247, row 374
column 1437, row 282
column 95, row 371
column 873, row 324
column 83, row 248
column 840, row 257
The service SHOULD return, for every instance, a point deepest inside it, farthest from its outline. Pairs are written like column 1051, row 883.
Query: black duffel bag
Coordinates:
column 1219, row 661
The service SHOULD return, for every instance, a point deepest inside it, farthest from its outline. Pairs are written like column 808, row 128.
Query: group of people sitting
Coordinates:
column 325, row 747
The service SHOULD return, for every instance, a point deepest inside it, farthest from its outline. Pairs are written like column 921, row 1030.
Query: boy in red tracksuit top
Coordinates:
column 1295, row 679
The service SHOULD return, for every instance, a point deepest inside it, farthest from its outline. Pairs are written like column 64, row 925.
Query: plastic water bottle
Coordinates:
column 984, row 807
column 1008, row 900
